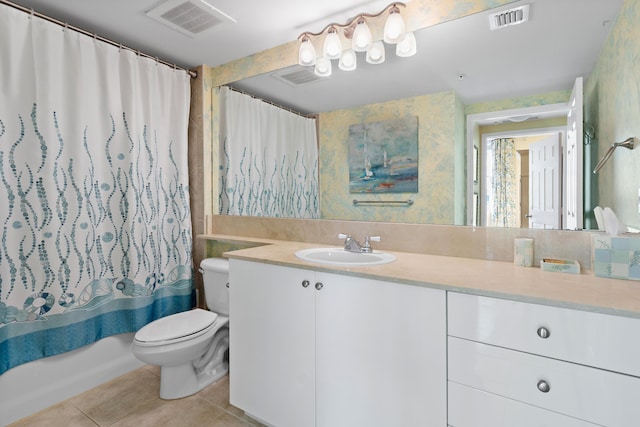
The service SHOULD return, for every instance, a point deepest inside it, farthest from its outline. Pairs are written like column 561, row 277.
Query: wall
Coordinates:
column 612, row 107
column 435, row 203
column 488, row 243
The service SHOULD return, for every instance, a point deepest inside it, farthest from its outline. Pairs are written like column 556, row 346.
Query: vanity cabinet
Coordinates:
column 319, row 349
column 515, row 363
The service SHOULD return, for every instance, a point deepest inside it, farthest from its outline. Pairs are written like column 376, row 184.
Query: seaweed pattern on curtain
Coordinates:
column 503, row 212
column 98, row 250
column 285, row 188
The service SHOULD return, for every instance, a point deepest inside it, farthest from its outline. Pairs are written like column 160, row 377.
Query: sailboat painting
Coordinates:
column 383, row 156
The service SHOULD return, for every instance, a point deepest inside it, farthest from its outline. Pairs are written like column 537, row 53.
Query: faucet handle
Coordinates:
column 373, row 238
column 342, row 236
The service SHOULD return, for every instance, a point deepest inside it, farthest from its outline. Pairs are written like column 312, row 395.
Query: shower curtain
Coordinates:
column 269, row 165
column 502, row 190
column 95, row 236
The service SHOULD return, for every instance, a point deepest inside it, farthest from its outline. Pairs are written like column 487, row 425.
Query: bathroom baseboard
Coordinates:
column 28, row 388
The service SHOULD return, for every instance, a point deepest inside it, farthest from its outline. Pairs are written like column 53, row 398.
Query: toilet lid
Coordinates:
column 176, row 326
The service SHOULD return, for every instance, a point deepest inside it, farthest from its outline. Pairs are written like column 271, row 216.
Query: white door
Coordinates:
column 272, row 343
column 381, row 353
column 573, row 212
column 545, row 183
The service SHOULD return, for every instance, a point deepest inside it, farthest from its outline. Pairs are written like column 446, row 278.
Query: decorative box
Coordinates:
column 617, row 257
column 560, row 265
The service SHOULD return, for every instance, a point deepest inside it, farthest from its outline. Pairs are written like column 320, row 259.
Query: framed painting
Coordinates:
column 383, row 156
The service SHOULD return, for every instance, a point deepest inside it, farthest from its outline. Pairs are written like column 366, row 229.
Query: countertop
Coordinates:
column 479, row 277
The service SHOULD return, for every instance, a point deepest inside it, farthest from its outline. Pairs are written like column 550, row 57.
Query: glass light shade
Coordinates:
column 394, row 29
column 348, row 60
column 323, row 67
column 375, row 54
column 361, row 37
column 332, row 45
column 407, row 47
column 306, row 53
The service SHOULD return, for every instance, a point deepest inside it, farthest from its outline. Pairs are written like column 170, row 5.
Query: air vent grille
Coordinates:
column 190, row 17
column 298, row 76
column 506, row 18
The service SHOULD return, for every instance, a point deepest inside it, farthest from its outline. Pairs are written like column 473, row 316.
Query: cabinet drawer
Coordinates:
column 593, row 339
column 469, row 407
column 590, row 394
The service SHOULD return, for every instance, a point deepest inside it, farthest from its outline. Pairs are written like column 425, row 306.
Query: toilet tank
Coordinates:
column 215, row 275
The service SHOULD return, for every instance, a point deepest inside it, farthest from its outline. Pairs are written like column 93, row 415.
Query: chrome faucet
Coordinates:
column 352, row 245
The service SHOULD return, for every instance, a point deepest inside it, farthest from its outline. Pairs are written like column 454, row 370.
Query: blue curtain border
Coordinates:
column 27, row 347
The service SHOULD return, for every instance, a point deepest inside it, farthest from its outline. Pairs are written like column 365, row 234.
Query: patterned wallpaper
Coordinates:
column 612, row 107
column 434, row 203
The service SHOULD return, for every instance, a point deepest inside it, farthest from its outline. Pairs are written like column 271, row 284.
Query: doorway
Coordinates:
column 508, row 194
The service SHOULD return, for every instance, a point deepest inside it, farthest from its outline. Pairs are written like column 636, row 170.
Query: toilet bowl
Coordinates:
column 191, row 347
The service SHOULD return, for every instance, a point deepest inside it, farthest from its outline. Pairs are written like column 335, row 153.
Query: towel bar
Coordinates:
column 382, row 202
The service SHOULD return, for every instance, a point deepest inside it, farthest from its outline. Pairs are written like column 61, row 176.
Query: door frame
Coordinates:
column 474, row 121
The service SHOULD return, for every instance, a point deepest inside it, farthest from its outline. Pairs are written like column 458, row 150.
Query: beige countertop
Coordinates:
column 490, row 278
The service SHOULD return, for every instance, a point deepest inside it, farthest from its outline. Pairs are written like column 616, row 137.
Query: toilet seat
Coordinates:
column 176, row 327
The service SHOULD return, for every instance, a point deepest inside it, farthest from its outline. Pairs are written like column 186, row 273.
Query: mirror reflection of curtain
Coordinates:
column 502, row 184
column 269, row 161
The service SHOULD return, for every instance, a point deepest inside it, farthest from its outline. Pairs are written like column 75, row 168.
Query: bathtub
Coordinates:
column 33, row 386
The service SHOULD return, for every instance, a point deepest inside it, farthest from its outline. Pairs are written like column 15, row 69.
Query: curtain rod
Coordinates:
column 306, row 116
column 192, row 74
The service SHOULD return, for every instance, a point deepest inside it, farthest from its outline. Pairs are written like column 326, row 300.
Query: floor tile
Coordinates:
column 61, row 415
column 114, row 400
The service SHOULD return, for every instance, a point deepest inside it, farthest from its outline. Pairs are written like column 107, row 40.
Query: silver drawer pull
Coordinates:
column 319, row 285
column 543, row 332
column 305, row 283
column 544, row 386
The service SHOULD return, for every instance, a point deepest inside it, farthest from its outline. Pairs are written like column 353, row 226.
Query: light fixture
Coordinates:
column 362, row 38
column 394, row 30
column 332, row 45
column 348, row 60
column 407, row 47
column 307, row 53
column 323, row 67
column 365, row 33
column 375, row 54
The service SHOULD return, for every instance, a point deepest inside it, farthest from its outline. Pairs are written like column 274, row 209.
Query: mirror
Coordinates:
column 477, row 69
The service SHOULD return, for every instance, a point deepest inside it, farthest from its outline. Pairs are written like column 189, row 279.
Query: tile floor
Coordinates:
column 132, row 400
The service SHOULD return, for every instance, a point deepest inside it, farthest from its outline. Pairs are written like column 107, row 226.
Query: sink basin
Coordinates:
column 336, row 256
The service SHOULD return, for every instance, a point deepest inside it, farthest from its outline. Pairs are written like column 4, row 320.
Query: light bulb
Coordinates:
column 348, row 60
column 375, row 54
column 332, row 45
column 323, row 67
column 361, row 37
column 407, row 47
column 307, row 53
column 394, row 29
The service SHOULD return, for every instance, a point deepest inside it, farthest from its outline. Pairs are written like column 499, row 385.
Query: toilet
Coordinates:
column 192, row 347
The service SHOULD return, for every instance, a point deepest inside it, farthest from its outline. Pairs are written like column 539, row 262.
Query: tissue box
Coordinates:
column 560, row 265
column 617, row 257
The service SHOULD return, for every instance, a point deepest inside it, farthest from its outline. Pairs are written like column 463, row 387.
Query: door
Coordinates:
column 573, row 212
column 272, row 343
column 381, row 353
column 545, row 183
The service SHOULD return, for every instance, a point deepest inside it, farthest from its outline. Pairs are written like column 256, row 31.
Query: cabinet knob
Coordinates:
column 305, row 283
column 544, row 386
column 544, row 332
column 319, row 285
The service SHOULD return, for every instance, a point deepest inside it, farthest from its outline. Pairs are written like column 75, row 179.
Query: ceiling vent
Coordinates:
column 506, row 18
column 298, row 76
column 190, row 17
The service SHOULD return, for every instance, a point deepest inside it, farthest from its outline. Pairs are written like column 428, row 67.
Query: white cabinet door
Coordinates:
column 381, row 353
column 272, row 343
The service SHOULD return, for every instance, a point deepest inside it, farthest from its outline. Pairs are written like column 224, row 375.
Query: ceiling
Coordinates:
column 560, row 42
